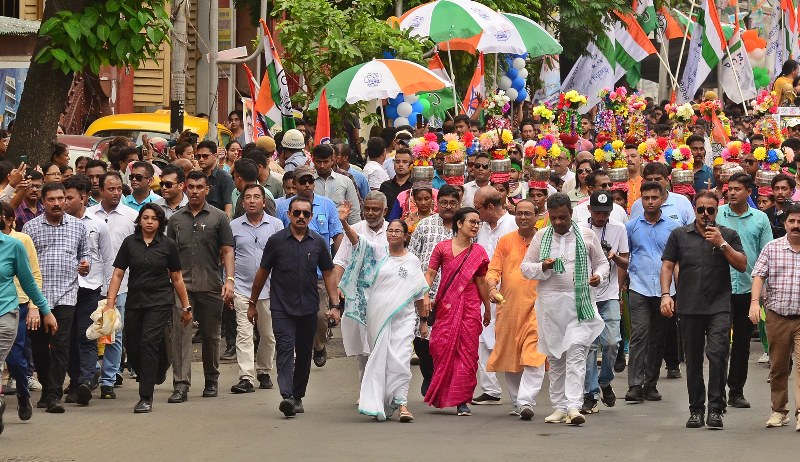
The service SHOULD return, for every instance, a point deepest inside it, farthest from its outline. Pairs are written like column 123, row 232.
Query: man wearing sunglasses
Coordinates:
column 220, row 182
column 705, row 252
column 480, row 166
column 597, row 181
column 172, row 196
column 140, row 178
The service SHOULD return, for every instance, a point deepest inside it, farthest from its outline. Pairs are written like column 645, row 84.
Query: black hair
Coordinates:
column 322, row 151
column 460, row 216
column 300, row 199
column 247, row 169
column 744, row 179
column 375, row 147
column 113, row 173
column 257, row 154
column 558, row 200
column 387, row 135
column 160, row 216
column 526, row 122
column 46, row 166
column 288, row 176
column 706, row 193
column 7, row 211
column 757, row 136
column 481, row 155
column 651, row 186
column 461, row 118
column 591, row 179
column 80, row 183
column 52, row 186
column 207, row 144
column 197, row 175
column 783, row 177
column 230, row 143
column 404, row 225
column 174, row 169
column 250, row 186
column 34, row 174
column 122, row 154
column 96, row 163
column 694, row 139
column 57, row 149
column 5, row 169
column 147, row 166
column 448, row 190
column 238, row 113
column 790, row 209
column 181, row 147
column 656, row 168
column 788, row 67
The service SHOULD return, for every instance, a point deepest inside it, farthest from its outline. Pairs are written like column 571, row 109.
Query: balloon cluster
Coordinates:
column 404, row 109
column 756, row 48
column 513, row 82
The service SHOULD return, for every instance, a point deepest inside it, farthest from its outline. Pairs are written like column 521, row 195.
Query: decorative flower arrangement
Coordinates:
column 424, row 149
column 652, row 149
column 735, row 151
column 497, row 104
column 538, row 152
column 636, row 103
column 612, row 153
column 766, row 102
column 454, row 148
column 679, row 157
column 571, row 100
column 709, row 109
column 496, row 140
column 569, row 121
column 683, row 113
column 615, row 100
column 771, row 158
column 544, row 112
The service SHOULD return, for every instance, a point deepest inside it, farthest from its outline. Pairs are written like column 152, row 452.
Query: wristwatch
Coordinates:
column 188, row 309
column 724, row 246
column 230, row 278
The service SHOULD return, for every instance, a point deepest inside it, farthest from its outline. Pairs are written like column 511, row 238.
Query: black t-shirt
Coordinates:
column 391, row 190
column 149, row 283
column 777, row 218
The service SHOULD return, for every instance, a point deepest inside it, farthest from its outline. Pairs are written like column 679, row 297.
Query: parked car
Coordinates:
column 134, row 125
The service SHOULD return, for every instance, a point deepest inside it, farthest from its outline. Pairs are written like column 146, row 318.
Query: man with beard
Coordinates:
column 782, row 188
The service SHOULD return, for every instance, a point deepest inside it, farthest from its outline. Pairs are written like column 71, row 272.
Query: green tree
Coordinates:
column 80, row 36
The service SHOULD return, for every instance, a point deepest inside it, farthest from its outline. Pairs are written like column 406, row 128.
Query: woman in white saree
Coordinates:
column 382, row 285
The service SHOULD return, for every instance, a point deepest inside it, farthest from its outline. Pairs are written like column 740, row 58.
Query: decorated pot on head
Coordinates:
column 454, row 173
column 538, row 177
column 682, row 181
column 618, row 175
column 728, row 170
column 422, row 173
column 764, row 177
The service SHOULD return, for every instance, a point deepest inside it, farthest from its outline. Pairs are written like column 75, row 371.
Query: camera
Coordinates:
column 606, row 246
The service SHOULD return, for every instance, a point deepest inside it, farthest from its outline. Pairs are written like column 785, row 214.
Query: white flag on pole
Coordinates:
column 738, row 62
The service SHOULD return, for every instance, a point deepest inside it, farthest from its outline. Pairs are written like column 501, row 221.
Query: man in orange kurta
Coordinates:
column 515, row 351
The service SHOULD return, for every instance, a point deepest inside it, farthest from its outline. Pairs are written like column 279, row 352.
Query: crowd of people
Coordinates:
column 596, row 251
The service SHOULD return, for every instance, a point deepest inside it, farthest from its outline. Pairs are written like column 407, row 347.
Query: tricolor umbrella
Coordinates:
column 443, row 20
column 379, row 79
column 524, row 36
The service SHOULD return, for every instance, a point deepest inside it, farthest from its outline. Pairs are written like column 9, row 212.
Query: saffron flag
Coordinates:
column 668, row 25
column 631, row 47
column 476, row 90
column 273, row 102
column 705, row 51
column 593, row 71
column 436, row 66
column 322, row 135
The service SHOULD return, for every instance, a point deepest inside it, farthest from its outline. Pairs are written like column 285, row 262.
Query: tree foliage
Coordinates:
column 112, row 32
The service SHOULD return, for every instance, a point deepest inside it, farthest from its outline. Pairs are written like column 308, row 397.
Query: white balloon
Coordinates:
column 512, row 93
column 400, row 121
column 504, row 83
column 404, row 109
column 411, row 99
column 523, row 73
column 518, row 63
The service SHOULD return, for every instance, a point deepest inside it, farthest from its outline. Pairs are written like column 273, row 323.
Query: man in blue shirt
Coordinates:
column 647, row 237
column 703, row 174
column 676, row 206
column 755, row 232
column 325, row 222
column 141, row 177
column 342, row 155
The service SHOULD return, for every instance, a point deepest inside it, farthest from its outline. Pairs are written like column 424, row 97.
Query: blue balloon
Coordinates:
column 391, row 111
column 418, row 107
column 518, row 83
column 412, row 119
column 396, row 100
column 512, row 73
column 521, row 95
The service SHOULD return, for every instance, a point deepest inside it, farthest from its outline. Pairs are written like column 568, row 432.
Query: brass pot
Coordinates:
column 764, row 177
column 500, row 165
column 454, row 170
column 422, row 173
column 728, row 170
column 618, row 175
column 680, row 176
column 539, row 173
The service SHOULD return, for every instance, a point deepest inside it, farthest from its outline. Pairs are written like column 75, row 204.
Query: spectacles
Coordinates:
column 137, row 177
column 524, row 214
column 53, row 174
column 448, row 204
column 703, row 210
column 481, row 166
column 605, row 185
column 474, row 222
column 513, row 151
column 167, row 184
column 35, row 186
column 305, row 213
column 583, row 170
column 305, row 180
column 394, row 231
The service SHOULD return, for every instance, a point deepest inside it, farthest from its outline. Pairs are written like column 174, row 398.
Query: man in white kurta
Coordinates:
column 373, row 229
column 563, row 337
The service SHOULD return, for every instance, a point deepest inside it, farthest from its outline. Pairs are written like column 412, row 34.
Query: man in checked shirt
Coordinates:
column 63, row 251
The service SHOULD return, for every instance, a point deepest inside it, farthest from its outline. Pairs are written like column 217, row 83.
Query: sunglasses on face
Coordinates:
column 167, row 184
column 202, row 156
column 605, row 185
column 136, row 177
column 584, row 170
column 482, row 166
column 297, row 213
column 305, row 180
column 703, row 210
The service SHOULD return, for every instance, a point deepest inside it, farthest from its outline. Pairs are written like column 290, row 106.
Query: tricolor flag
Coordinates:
column 737, row 61
column 593, row 71
column 645, row 12
column 790, row 29
column 705, row 51
column 436, row 66
column 776, row 48
column 322, row 135
column 259, row 129
column 476, row 90
column 273, row 101
column 632, row 46
column 668, row 25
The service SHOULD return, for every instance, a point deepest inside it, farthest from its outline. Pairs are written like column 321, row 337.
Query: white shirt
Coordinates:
column 7, row 193
column 469, row 193
column 375, row 174
column 616, row 235
column 342, row 257
column 121, row 223
column 569, row 176
column 101, row 255
column 581, row 213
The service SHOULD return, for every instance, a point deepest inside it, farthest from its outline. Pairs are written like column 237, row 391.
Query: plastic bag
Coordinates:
column 105, row 325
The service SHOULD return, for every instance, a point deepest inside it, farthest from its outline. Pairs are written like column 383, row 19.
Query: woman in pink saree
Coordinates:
column 454, row 336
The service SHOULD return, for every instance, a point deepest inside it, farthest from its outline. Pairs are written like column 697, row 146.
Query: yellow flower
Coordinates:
column 642, row 148
column 507, row 137
column 617, row 145
column 718, row 161
column 599, row 155
column 555, row 151
column 760, row 153
column 453, row 146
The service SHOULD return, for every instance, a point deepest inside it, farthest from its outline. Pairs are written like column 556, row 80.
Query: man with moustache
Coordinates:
column 95, row 168
column 782, row 187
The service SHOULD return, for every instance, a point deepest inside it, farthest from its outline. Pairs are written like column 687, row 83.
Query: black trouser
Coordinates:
column 672, row 346
column 144, row 336
column 707, row 333
column 422, row 349
column 82, row 351
column 740, row 346
column 229, row 326
column 51, row 353
column 294, row 342
column 648, row 334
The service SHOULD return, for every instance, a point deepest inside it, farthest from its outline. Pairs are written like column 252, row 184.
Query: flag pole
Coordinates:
column 452, row 80
column 736, row 77
column 683, row 44
column 665, row 64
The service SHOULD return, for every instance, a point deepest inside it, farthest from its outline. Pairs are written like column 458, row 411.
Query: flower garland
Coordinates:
column 568, row 118
column 612, row 153
column 770, row 159
column 652, row 149
column 679, row 157
column 683, row 113
column 424, row 149
column 766, row 102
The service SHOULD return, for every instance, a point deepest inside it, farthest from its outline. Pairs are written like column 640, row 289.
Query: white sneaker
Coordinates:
column 11, row 384
column 763, row 359
column 514, row 411
column 34, row 384
column 556, row 417
column 574, row 417
column 776, row 419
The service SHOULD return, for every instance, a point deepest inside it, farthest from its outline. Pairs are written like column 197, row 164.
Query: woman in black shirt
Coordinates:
column 154, row 278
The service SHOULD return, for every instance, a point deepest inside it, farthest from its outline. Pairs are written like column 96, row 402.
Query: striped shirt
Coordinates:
column 60, row 249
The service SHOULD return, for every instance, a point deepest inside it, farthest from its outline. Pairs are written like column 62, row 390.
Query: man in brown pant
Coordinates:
column 777, row 265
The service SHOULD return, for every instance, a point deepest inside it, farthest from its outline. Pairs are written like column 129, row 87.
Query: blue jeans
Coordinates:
column 608, row 342
column 16, row 360
column 112, row 357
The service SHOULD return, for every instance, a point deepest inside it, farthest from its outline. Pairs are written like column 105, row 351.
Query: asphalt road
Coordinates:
column 250, row 427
